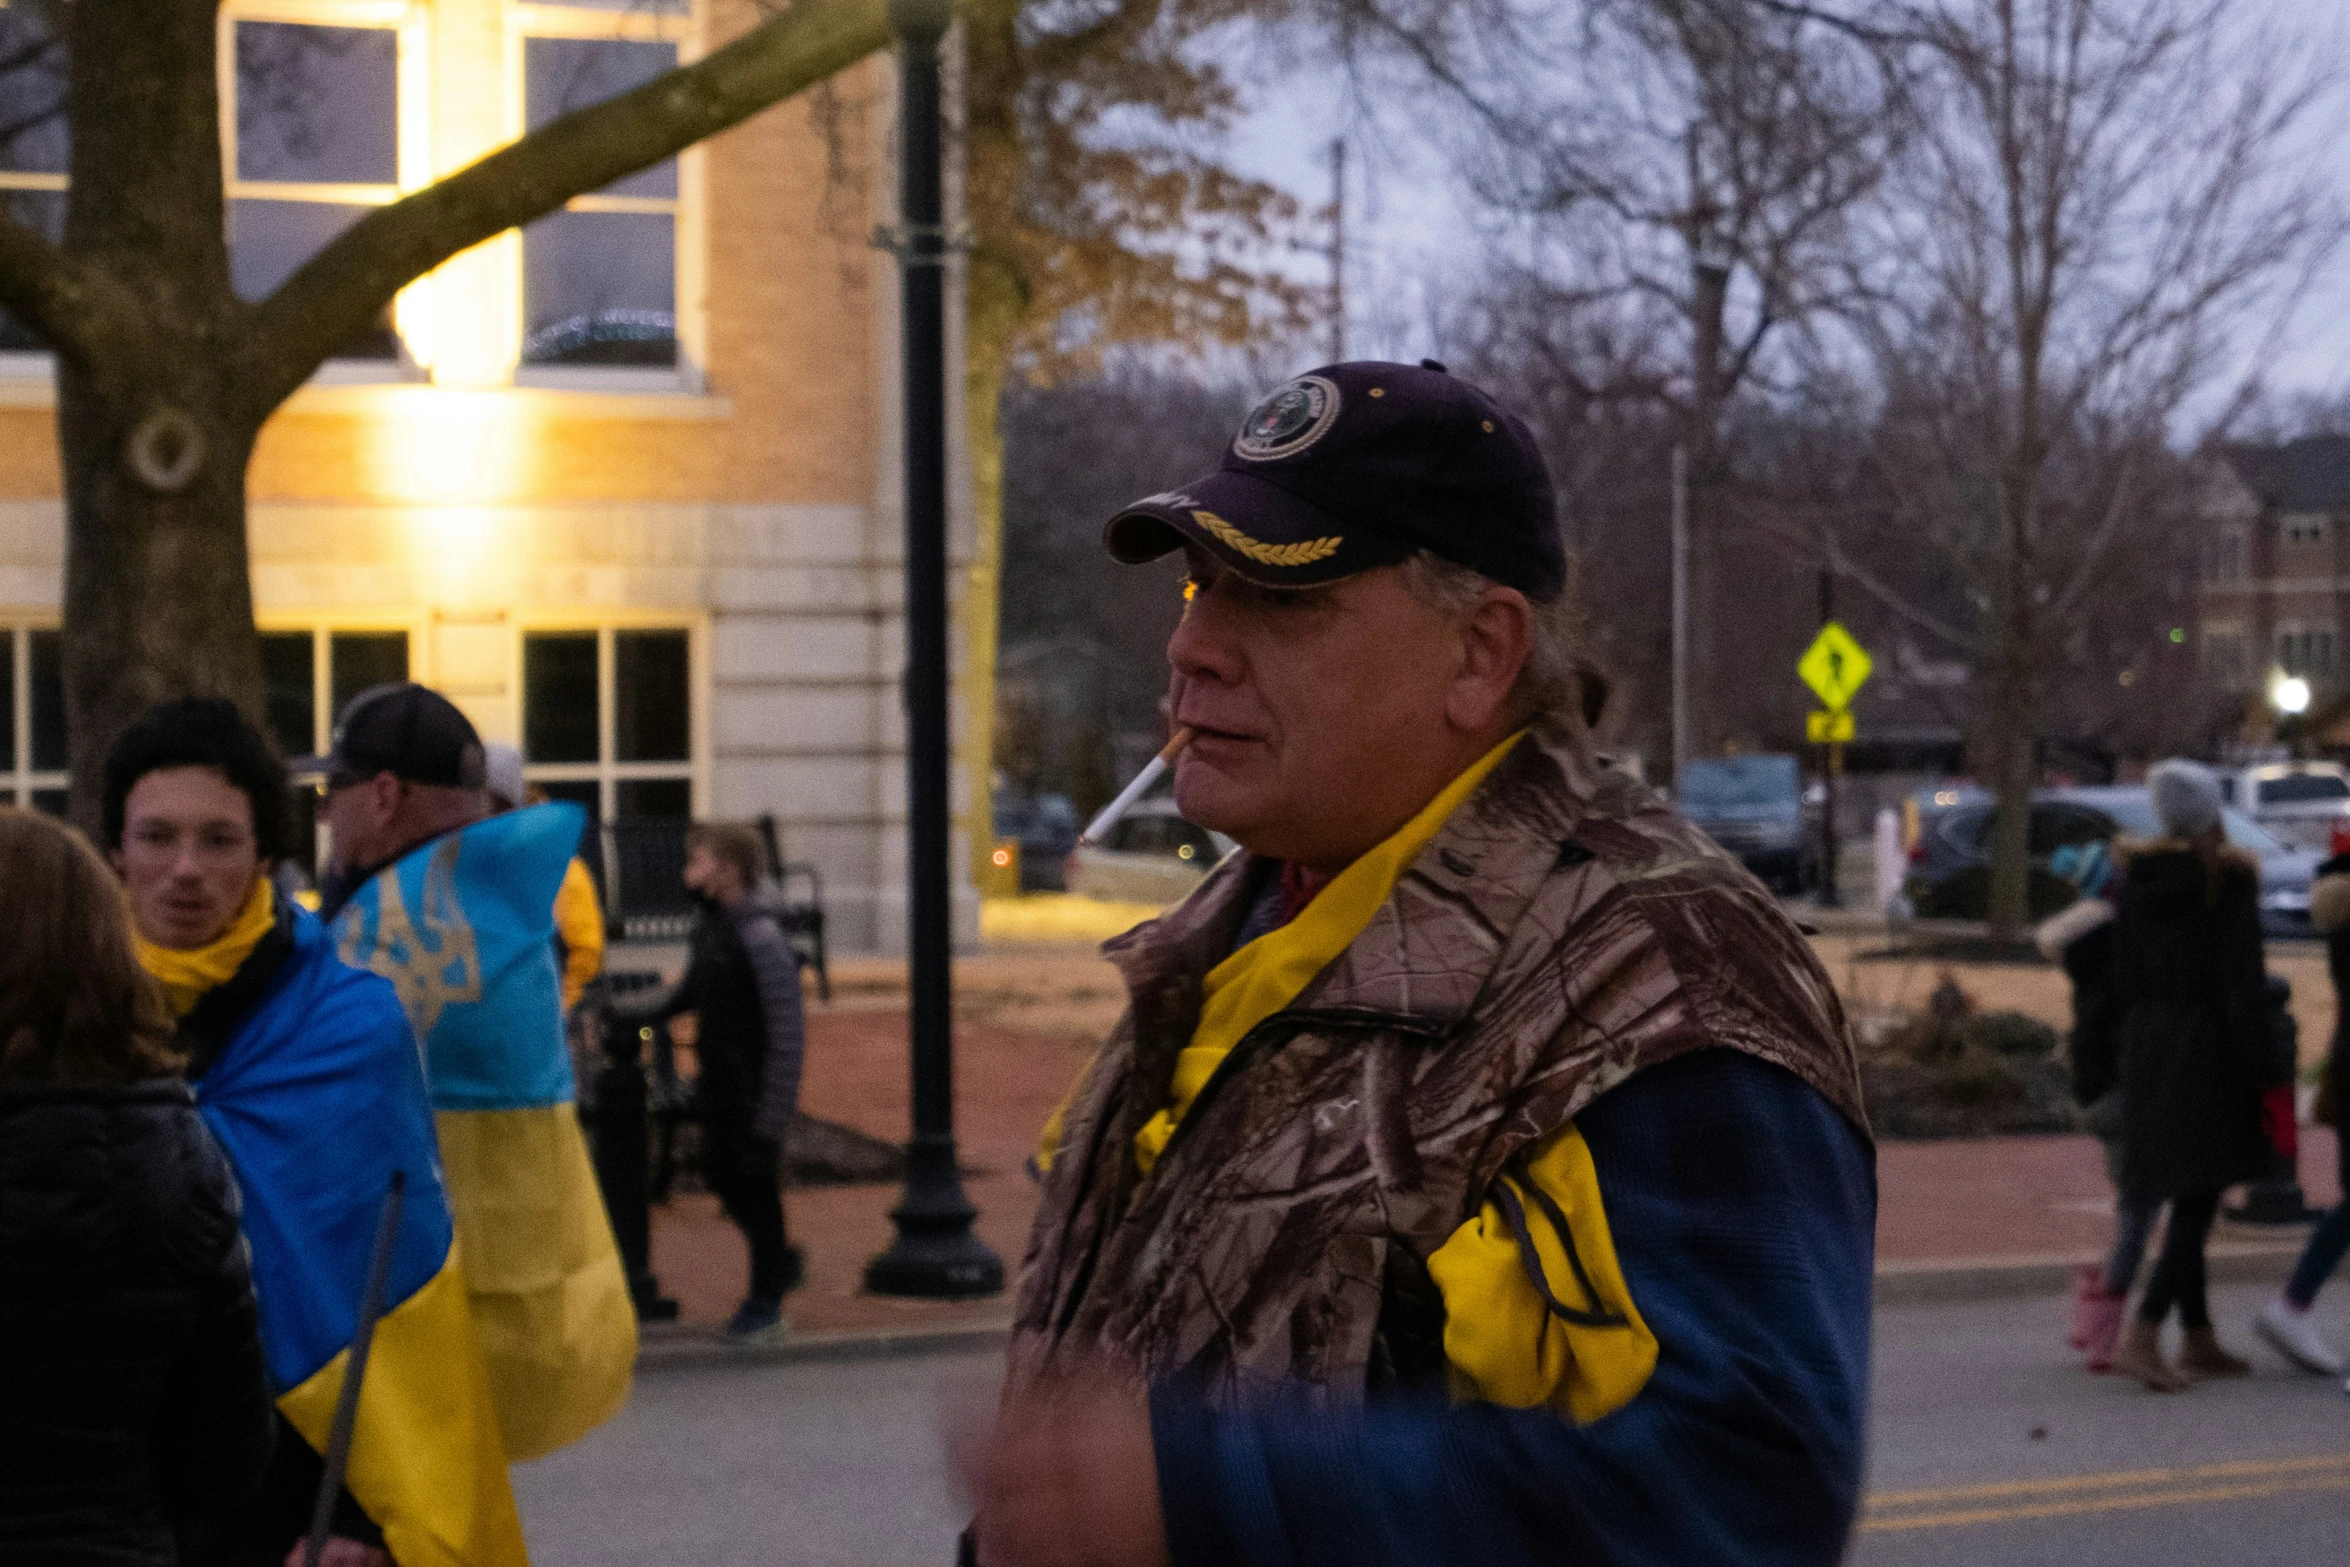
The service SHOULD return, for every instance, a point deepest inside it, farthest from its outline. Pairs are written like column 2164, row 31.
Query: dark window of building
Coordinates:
column 652, row 705
column 317, row 145
column 599, row 279
column 559, row 697
column 289, row 676
column 48, row 669
column 357, row 660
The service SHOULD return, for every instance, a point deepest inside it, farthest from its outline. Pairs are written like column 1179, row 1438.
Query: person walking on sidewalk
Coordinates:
column 2080, row 940
column 1478, row 1173
column 2192, row 1036
column 130, row 1349
column 2285, row 1321
column 742, row 984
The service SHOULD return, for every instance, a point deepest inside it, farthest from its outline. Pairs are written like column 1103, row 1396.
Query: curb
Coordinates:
column 1997, row 1278
column 671, row 1348
column 1936, row 1283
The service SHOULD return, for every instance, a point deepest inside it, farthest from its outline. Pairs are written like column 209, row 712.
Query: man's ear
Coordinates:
column 384, row 791
column 1497, row 637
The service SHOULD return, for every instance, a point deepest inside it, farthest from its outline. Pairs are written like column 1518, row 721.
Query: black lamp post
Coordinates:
column 935, row 1254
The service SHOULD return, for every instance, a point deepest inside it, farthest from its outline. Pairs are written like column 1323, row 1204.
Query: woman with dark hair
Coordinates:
column 136, row 1398
column 2189, row 990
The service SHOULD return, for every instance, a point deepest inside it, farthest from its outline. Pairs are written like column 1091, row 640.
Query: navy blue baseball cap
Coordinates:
column 1363, row 464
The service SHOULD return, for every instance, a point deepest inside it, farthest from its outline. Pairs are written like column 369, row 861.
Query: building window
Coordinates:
column 607, row 719
column 33, row 142
column 2305, row 651
column 309, row 676
column 32, row 718
column 2305, row 530
column 2226, row 556
column 313, row 131
column 599, row 278
column 2223, row 655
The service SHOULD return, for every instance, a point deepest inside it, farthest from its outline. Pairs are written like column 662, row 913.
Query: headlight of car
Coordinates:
column 2286, row 900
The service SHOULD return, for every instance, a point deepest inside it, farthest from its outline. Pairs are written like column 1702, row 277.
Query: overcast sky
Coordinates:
column 1408, row 235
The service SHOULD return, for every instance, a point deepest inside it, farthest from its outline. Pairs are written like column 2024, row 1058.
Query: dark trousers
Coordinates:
column 2178, row 1273
column 746, row 1173
column 2327, row 1244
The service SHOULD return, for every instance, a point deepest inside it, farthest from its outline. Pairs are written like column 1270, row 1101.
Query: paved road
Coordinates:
column 841, row 1465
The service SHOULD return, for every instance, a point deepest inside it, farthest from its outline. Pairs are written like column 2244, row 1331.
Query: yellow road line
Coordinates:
column 2104, row 1504
column 2118, row 1479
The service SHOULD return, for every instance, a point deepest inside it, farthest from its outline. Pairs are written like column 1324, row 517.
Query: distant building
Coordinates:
column 2274, row 596
column 624, row 484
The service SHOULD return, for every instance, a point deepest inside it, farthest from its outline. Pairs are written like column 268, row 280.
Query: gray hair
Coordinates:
column 1557, row 682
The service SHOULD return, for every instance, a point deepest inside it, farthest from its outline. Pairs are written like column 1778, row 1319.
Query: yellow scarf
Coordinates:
column 186, row 974
column 1270, row 972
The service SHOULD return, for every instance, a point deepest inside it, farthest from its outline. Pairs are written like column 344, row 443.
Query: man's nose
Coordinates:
column 1204, row 646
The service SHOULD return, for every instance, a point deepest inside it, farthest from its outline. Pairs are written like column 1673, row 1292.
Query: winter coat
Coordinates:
column 2192, row 1031
column 743, row 985
column 129, row 1348
column 2080, row 941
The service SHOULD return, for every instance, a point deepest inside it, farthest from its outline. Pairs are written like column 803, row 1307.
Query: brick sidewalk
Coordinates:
column 1027, row 1026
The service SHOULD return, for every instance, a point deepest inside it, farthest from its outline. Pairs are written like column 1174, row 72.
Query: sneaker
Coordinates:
column 2291, row 1334
column 755, row 1322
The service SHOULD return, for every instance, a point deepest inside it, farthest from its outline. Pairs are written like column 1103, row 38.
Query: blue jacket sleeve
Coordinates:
column 1743, row 1210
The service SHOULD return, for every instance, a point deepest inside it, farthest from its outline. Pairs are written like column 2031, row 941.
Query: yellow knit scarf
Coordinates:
column 186, row 974
column 1271, row 971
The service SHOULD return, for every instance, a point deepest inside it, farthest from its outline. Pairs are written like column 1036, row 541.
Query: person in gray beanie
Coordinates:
column 2190, row 1030
column 2186, row 798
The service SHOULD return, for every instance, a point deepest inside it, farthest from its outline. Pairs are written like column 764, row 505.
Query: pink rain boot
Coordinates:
column 2088, row 1290
column 2104, row 1328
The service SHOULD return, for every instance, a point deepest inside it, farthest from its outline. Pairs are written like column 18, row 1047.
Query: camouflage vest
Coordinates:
column 1563, row 931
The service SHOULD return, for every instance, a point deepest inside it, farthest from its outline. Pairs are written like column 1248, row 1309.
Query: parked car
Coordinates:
column 1950, row 865
column 1045, row 827
column 1753, row 806
column 1151, row 856
column 2300, row 802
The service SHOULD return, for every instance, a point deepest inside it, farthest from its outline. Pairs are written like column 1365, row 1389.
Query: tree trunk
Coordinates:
column 153, row 406
column 158, row 598
column 983, row 380
column 2012, row 716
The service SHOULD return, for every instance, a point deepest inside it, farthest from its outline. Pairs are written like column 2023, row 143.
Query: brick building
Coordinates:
column 623, row 484
column 2274, row 596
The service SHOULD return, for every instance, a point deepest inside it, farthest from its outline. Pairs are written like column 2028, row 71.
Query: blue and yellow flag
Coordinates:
column 318, row 1097
column 463, row 928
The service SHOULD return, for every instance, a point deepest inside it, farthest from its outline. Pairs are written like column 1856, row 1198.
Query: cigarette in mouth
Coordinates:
column 1151, row 774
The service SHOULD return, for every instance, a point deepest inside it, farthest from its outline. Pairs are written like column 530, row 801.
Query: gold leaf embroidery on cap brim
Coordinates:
column 1304, row 553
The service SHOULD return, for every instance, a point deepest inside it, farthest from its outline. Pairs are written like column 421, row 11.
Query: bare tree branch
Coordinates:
column 343, row 287
column 47, row 290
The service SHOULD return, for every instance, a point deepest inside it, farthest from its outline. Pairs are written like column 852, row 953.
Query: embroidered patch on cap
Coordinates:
column 1303, row 553
column 1296, row 416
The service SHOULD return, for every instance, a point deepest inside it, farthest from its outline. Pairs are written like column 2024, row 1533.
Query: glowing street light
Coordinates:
column 2290, row 696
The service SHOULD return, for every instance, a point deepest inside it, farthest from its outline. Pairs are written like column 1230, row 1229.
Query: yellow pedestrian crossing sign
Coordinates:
column 1835, row 667
column 1828, row 728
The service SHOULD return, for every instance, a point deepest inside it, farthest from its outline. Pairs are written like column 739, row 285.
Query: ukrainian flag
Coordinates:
column 463, row 927
column 317, row 1099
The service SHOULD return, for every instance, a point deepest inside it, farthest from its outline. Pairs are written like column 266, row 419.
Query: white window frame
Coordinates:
column 411, row 131
column 20, row 778
column 2232, row 637
column 2298, row 644
column 2228, row 556
column 606, row 772
column 322, row 629
column 689, row 255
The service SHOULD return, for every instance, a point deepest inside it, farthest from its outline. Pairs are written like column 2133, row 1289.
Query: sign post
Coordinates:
column 1835, row 667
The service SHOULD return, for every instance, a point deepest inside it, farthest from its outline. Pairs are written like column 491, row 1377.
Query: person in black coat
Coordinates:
column 742, row 984
column 136, row 1397
column 2189, row 992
